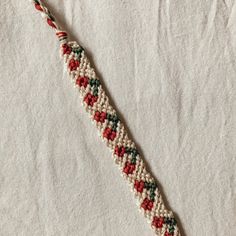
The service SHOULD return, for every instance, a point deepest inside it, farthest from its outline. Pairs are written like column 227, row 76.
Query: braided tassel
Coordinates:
column 113, row 132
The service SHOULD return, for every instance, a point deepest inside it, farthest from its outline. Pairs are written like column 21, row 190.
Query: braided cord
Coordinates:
column 113, row 132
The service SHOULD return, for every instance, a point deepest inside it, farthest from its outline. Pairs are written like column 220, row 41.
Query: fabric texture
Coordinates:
column 169, row 68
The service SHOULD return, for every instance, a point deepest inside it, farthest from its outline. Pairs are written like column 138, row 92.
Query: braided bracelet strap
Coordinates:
column 113, row 132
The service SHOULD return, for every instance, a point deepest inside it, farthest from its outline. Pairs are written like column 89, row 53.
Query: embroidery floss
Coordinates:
column 113, row 131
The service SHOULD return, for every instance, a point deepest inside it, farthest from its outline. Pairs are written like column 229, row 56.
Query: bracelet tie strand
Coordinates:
column 113, row 132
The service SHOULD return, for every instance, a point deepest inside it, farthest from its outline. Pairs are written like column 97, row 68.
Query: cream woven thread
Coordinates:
column 123, row 149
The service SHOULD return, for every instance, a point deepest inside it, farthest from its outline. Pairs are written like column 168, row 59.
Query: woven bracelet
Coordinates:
column 113, row 132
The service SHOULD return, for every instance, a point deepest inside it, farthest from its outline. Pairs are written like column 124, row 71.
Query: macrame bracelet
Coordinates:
column 113, row 132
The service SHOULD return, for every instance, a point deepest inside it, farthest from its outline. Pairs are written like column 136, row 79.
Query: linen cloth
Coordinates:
column 170, row 68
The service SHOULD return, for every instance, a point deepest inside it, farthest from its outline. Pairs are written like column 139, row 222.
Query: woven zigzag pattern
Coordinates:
column 113, row 132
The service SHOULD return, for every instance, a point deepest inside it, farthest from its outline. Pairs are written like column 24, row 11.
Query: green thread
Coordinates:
column 133, row 160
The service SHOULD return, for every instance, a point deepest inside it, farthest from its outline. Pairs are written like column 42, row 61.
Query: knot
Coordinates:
column 62, row 36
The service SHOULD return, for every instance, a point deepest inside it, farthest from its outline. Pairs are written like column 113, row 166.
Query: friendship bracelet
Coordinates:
column 113, row 132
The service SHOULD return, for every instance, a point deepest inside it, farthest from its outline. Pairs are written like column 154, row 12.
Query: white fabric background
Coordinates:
column 170, row 67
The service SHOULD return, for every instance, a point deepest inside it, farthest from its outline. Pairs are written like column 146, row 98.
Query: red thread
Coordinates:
column 38, row 7
column 50, row 22
column 82, row 81
column 109, row 134
column 158, row 222
column 139, row 185
column 100, row 116
column 129, row 168
column 61, row 34
column 66, row 49
column 73, row 64
column 90, row 99
column 119, row 151
column 147, row 204
column 168, row 234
